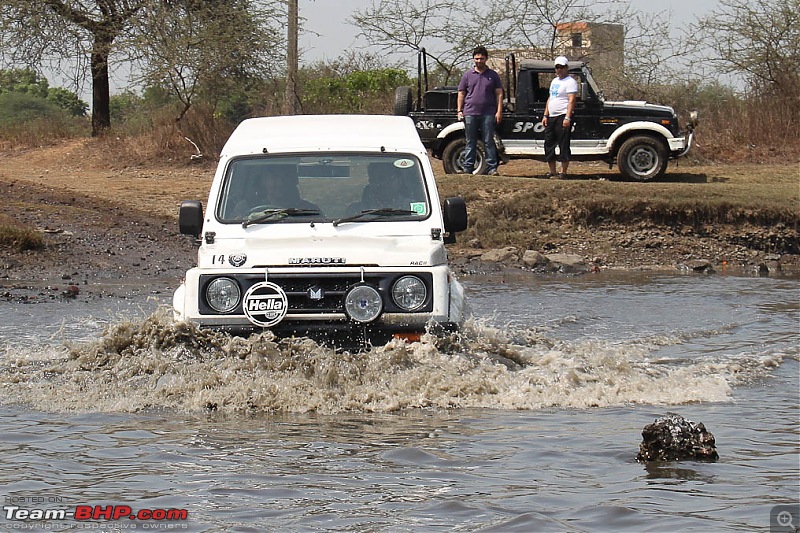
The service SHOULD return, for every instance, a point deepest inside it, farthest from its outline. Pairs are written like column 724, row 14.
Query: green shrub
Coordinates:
column 368, row 91
column 27, row 120
column 18, row 108
column 68, row 101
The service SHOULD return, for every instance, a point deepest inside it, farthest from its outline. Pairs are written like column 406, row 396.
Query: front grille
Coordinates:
column 309, row 294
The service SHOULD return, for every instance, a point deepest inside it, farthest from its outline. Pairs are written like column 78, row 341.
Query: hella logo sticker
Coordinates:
column 265, row 304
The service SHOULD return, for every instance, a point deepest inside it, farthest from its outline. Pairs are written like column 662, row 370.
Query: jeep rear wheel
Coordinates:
column 402, row 101
column 642, row 158
column 453, row 157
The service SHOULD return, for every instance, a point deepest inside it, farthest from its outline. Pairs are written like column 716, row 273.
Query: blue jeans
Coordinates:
column 483, row 124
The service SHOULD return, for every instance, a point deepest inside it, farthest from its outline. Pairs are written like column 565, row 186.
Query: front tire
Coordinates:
column 642, row 158
column 453, row 157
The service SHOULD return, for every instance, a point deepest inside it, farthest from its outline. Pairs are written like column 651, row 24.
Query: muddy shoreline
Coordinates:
column 96, row 248
column 110, row 228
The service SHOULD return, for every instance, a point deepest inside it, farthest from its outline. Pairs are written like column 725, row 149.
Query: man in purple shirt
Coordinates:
column 480, row 105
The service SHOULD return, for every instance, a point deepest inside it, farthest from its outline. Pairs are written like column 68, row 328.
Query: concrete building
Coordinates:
column 600, row 45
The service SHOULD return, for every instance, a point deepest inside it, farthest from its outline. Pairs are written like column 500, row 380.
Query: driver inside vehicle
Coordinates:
column 276, row 187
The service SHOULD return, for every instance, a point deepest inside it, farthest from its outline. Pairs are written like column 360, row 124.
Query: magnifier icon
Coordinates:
column 785, row 519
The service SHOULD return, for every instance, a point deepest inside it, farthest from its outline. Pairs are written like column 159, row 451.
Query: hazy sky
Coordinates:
column 328, row 19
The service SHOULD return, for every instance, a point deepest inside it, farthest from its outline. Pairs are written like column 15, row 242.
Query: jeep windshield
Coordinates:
column 592, row 84
column 323, row 187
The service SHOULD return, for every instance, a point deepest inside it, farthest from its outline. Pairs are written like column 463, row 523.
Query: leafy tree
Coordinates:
column 125, row 105
column 68, row 101
column 23, row 81
column 19, row 108
column 360, row 91
column 26, row 81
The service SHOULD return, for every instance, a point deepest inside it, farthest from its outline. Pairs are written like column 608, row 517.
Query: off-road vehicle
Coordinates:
column 638, row 136
column 323, row 226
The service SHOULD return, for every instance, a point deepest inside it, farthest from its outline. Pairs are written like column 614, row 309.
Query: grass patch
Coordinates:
column 18, row 238
column 512, row 211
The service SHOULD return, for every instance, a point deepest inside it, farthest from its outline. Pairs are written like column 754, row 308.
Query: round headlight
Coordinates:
column 362, row 303
column 409, row 292
column 223, row 295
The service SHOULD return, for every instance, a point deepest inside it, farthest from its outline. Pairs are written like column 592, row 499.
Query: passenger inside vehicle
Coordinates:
column 389, row 187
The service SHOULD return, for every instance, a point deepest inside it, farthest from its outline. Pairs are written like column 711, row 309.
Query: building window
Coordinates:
column 577, row 40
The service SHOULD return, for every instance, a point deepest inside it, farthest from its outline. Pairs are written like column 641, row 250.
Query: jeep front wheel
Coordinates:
column 453, row 157
column 642, row 158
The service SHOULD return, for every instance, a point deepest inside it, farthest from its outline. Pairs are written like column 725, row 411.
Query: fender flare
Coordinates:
column 450, row 129
column 637, row 127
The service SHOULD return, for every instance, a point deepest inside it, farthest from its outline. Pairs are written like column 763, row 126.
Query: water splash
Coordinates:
column 155, row 364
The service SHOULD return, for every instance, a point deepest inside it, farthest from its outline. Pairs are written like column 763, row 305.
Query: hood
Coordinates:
column 333, row 250
column 640, row 107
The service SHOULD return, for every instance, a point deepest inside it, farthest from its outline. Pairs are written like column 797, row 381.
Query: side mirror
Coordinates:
column 693, row 120
column 190, row 218
column 455, row 218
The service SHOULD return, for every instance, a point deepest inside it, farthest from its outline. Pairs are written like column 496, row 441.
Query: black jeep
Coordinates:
column 640, row 137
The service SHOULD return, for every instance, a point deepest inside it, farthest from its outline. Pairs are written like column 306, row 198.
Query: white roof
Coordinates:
column 323, row 133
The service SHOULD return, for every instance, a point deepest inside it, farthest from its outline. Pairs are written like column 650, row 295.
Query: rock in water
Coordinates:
column 674, row 438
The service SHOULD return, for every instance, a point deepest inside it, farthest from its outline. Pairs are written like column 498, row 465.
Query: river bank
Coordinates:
column 104, row 219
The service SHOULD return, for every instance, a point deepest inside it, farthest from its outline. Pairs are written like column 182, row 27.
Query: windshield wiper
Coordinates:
column 383, row 212
column 269, row 214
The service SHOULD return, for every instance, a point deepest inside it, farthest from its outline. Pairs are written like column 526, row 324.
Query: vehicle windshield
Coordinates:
column 322, row 188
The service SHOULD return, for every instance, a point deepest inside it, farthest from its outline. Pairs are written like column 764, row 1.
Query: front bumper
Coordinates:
column 315, row 301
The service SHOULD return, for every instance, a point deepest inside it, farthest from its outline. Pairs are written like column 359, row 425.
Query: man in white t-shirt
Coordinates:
column 558, row 118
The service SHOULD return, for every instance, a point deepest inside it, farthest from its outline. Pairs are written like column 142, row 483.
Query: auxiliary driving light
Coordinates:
column 409, row 292
column 363, row 303
column 223, row 295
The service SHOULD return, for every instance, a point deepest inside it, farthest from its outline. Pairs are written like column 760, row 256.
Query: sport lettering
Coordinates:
column 525, row 127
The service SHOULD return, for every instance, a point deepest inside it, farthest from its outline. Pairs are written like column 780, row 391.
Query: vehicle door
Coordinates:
column 588, row 109
column 521, row 130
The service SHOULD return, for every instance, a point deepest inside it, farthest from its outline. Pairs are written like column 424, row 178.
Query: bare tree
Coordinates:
column 207, row 48
column 758, row 40
column 448, row 29
column 535, row 22
column 178, row 41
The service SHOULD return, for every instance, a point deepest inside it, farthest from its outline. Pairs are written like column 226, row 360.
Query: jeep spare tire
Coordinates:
column 642, row 158
column 402, row 101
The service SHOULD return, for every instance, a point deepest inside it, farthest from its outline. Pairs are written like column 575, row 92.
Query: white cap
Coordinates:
column 561, row 60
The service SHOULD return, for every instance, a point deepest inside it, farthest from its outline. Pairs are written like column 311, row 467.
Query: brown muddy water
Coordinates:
column 113, row 418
